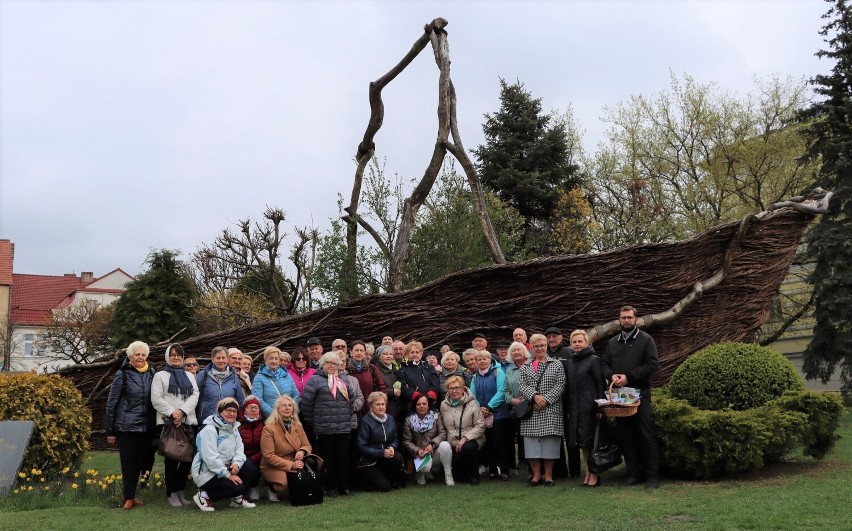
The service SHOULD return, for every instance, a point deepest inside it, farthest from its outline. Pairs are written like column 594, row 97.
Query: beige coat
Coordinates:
column 279, row 452
column 465, row 418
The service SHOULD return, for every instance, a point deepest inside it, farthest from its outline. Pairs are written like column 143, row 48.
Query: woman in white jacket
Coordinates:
column 174, row 394
column 220, row 468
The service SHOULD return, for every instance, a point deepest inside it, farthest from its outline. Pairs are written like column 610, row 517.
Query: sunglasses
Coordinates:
column 300, row 359
column 190, row 365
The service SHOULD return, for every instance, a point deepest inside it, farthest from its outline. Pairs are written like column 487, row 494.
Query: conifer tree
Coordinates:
column 830, row 136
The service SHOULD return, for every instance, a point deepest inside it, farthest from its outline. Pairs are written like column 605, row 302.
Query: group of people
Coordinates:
column 371, row 417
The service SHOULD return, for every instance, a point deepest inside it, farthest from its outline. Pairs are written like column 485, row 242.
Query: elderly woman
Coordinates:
column 420, row 438
column 216, row 382
column 251, row 428
column 174, row 394
column 418, row 377
column 130, row 418
column 368, row 376
column 487, row 387
column 235, row 360
column 463, row 431
column 449, row 367
column 358, row 403
column 283, row 444
column 542, row 381
column 380, row 465
column 469, row 358
column 519, row 355
column 584, row 382
column 393, row 384
column 272, row 381
column 220, row 468
column 246, row 366
column 327, row 407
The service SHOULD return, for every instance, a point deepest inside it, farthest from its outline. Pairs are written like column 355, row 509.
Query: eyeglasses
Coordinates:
column 190, row 365
column 338, row 347
column 454, row 388
column 539, row 347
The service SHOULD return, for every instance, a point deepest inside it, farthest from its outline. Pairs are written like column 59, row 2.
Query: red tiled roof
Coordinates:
column 6, row 254
column 33, row 296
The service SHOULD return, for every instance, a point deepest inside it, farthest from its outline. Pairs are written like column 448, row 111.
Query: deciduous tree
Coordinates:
column 79, row 332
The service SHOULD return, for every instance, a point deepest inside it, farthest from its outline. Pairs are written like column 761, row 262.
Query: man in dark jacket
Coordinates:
column 630, row 361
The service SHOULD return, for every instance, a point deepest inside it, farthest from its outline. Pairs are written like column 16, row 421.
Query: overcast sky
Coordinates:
column 132, row 125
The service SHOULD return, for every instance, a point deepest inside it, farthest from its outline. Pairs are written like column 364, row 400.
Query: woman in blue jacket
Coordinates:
column 380, row 462
column 272, row 381
column 486, row 386
column 215, row 382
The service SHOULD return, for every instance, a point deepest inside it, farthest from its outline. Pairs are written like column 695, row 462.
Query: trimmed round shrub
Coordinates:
column 62, row 421
column 704, row 444
column 736, row 376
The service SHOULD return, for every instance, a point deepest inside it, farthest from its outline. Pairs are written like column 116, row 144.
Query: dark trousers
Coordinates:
column 133, row 451
column 516, row 438
column 465, row 465
column 639, row 442
column 496, row 451
column 334, row 449
column 383, row 476
column 572, row 455
column 176, row 475
column 220, row 488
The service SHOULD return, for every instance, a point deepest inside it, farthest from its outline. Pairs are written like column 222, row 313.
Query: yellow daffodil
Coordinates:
column 73, row 485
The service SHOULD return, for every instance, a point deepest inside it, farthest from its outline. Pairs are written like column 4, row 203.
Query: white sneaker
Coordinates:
column 482, row 469
column 254, row 495
column 241, row 501
column 203, row 503
column 421, row 479
column 448, row 479
column 272, row 496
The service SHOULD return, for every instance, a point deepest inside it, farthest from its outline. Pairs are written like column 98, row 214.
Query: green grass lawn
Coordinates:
column 801, row 494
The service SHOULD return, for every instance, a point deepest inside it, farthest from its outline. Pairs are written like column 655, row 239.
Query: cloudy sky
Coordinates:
column 132, row 125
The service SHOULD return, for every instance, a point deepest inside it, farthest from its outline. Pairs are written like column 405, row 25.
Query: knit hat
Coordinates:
column 227, row 403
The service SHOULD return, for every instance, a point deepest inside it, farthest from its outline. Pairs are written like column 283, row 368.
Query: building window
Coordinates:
column 28, row 345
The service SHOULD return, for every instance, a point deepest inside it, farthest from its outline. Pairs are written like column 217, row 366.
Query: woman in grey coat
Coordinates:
column 542, row 381
column 327, row 406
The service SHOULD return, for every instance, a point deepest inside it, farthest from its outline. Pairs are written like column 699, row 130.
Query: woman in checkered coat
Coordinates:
column 543, row 431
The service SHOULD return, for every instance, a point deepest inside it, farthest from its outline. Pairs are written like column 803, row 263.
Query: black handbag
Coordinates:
column 175, row 443
column 524, row 410
column 306, row 485
column 605, row 452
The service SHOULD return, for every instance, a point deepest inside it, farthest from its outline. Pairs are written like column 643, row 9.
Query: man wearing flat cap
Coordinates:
column 314, row 351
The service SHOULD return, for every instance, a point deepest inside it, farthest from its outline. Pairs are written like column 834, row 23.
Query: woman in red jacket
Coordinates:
column 368, row 375
column 251, row 430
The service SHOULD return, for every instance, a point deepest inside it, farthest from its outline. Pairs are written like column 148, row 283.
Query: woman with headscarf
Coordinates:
column 130, row 418
column 174, row 394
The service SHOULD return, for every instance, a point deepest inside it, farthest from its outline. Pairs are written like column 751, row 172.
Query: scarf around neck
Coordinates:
column 179, row 384
column 335, row 384
column 381, row 419
column 422, row 425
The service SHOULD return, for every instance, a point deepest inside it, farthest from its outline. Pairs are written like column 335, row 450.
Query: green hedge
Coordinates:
column 62, row 420
column 704, row 444
column 738, row 376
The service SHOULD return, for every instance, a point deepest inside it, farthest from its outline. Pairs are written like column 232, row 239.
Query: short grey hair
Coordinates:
column 329, row 357
column 137, row 344
column 518, row 344
column 447, row 355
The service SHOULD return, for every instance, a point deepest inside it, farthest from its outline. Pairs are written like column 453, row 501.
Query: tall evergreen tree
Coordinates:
column 157, row 303
column 830, row 136
column 525, row 159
